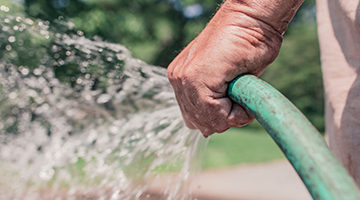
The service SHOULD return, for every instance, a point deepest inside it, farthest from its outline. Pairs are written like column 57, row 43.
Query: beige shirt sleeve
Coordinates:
column 339, row 36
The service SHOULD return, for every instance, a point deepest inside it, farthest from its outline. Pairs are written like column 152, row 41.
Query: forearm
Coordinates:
column 275, row 13
column 249, row 27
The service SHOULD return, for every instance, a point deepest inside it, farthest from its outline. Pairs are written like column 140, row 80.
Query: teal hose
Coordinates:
column 304, row 147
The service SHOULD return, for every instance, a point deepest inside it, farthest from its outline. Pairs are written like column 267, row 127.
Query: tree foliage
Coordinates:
column 297, row 73
column 157, row 30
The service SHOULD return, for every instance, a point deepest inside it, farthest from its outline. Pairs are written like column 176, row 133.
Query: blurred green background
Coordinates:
column 157, row 30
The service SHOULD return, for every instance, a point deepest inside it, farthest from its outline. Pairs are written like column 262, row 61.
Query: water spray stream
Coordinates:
column 80, row 118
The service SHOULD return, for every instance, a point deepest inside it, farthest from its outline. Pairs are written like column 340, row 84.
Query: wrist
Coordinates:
column 248, row 36
column 275, row 13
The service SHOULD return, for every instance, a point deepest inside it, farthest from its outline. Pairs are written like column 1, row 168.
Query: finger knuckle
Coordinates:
column 170, row 73
column 220, row 129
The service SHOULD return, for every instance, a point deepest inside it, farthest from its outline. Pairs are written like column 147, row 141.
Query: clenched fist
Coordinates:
column 234, row 42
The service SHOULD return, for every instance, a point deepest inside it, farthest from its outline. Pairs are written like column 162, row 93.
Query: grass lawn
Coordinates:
column 239, row 146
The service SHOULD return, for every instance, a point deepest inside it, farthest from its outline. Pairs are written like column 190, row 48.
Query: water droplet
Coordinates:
column 103, row 98
column 61, row 62
column 24, row 71
column 29, row 21
column 44, row 32
column 4, row 8
column 46, row 174
column 37, row 71
column 8, row 47
column 12, row 39
column 79, row 81
column 84, row 64
column 12, row 95
column 22, row 27
column 5, row 28
column 80, row 33
column 83, row 69
column 54, row 48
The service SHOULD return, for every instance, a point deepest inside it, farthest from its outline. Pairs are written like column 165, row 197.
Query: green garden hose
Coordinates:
column 304, row 147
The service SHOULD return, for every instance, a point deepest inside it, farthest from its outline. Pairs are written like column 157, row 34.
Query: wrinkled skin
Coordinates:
column 233, row 43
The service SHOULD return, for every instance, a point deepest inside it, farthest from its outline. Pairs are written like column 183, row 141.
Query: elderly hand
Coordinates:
column 233, row 43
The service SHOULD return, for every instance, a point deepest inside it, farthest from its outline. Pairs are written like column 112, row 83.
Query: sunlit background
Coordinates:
column 155, row 31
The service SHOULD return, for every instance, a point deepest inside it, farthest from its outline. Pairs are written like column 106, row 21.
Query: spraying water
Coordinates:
column 80, row 118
